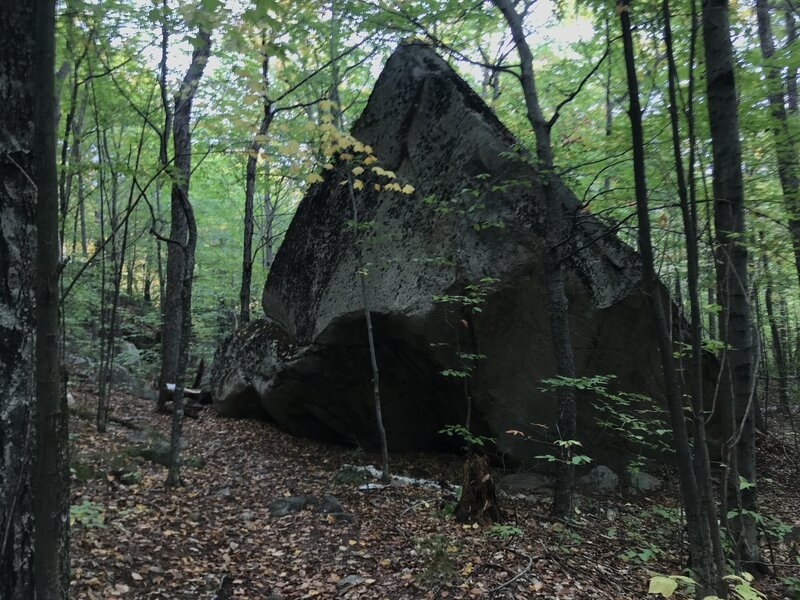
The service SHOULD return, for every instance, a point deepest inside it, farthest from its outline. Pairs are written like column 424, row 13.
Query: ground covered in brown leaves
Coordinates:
column 132, row 538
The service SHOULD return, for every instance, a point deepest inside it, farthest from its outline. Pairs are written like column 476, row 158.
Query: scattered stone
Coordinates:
column 639, row 480
column 292, row 504
column 601, row 479
column 330, row 505
column 246, row 515
column 349, row 581
column 224, row 492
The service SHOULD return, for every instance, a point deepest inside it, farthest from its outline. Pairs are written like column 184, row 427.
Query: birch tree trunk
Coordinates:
column 34, row 492
column 17, row 318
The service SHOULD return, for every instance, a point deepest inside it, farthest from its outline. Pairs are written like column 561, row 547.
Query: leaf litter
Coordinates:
column 402, row 543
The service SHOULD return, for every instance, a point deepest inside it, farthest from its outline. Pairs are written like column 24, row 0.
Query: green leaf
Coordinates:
column 744, row 484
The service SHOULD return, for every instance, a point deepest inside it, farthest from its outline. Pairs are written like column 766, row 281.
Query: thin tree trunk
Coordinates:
column 566, row 427
column 700, row 540
column 702, row 462
column 609, row 101
column 174, row 470
column 732, row 277
column 785, row 147
column 376, row 385
column 268, row 211
column 177, row 317
column 249, row 193
column 791, row 73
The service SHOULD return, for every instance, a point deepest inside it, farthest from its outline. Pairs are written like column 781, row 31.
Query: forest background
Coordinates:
column 249, row 92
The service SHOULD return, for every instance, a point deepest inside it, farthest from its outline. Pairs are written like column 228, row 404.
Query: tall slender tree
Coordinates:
column 177, row 312
column 250, row 188
column 701, row 541
column 784, row 142
column 731, row 253
column 563, row 500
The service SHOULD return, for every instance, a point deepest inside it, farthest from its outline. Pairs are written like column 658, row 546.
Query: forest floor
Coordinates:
column 132, row 538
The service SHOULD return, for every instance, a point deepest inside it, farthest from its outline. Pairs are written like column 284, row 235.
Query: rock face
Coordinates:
column 454, row 270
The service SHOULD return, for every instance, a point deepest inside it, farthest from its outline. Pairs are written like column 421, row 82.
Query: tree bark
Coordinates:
column 731, row 255
column 700, row 538
column 783, row 140
column 17, row 255
column 51, row 472
column 688, row 202
column 249, row 193
column 33, row 476
column 566, row 427
column 177, row 314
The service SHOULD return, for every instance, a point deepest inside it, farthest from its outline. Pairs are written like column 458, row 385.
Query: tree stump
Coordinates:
column 478, row 502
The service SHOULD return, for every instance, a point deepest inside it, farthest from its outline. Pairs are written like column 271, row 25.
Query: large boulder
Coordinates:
column 454, row 270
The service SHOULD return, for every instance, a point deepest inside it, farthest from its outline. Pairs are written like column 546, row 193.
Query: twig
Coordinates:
column 518, row 575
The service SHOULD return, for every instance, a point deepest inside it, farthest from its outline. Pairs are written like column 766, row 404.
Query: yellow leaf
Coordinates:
column 358, row 184
column 327, row 166
column 662, row 585
column 368, row 149
column 291, row 147
column 385, row 562
column 314, row 178
column 346, row 156
column 358, row 170
column 358, row 146
column 370, row 159
column 467, row 569
column 377, row 187
column 408, row 189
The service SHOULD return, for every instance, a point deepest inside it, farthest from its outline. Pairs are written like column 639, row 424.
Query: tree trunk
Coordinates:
column 51, row 472
column 17, row 256
column 688, row 202
column 700, row 539
column 732, row 277
column 176, row 315
column 268, row 211
column 478, row 500
column 791, row 72
column 566, row 428
column 174, row 470
column 33, row 484
column 783, row 140
column 249, row 193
